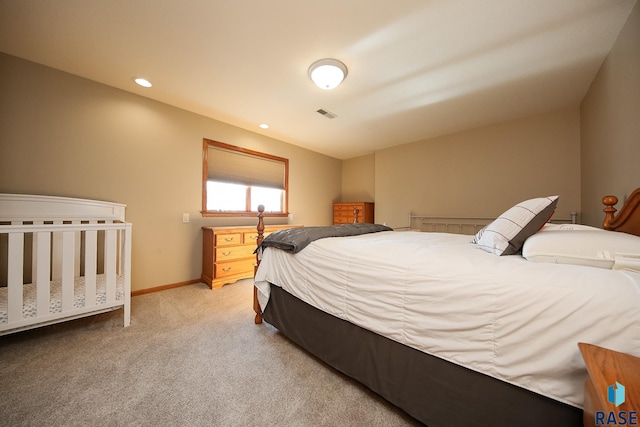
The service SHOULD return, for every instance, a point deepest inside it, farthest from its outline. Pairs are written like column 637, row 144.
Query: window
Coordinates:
column 236, row 180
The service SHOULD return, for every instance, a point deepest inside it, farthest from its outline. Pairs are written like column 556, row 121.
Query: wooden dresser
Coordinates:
column 227, row 253
column 606, row 368
column 344, row 213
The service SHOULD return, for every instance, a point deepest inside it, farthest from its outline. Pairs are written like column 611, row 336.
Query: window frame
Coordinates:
column 208, row 143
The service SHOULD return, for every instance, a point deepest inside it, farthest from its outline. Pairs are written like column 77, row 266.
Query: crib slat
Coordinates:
column 33, row 251
column 125, row 238
column 90, row 266
column 110, row 264
column 42, row 276
column 14, row 277
column 67, row 269
column 56, row 254
column 78, row 249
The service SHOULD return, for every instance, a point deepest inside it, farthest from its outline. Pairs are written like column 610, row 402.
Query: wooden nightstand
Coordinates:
column 606, row 368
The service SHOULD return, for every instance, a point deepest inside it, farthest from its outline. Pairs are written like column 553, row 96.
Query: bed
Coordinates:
column 457, row 330
column 61, row 259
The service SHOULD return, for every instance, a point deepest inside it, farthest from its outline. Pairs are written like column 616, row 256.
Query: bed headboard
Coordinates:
column 461, row 225
column 628, row 219
column 27, row 207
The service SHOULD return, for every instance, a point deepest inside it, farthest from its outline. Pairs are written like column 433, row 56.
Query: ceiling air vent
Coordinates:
column 327, row 114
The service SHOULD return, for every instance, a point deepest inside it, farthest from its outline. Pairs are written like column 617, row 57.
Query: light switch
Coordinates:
column 185, row 217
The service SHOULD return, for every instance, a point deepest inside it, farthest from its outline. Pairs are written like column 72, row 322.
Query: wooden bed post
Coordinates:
column 260, row 228
column 609, row 211
column 628, row 219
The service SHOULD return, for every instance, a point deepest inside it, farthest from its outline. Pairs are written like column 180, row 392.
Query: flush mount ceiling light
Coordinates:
column 327, row 73
column 142, row 82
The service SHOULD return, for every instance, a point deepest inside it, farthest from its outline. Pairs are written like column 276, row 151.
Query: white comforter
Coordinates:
column 506, row 317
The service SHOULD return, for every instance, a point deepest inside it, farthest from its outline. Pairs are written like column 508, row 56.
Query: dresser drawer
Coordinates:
column 231, row 268
column 342, row 219
column 228, row 239
column 345, row 210
column 230, row 253
column 251, row 238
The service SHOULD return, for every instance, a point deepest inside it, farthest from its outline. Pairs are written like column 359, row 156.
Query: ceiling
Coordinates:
column 417, row 68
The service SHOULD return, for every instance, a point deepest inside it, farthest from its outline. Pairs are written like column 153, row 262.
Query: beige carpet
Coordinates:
column 191, row 357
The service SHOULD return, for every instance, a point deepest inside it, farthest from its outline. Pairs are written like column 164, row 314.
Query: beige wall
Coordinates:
column 64, row 135
column 610, row 125
column 482, row 172
column 358, row 179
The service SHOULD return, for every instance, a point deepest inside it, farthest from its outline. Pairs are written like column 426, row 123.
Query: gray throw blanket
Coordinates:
column 296, row 239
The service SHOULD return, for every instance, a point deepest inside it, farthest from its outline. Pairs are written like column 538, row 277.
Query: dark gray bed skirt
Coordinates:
column 432, row 390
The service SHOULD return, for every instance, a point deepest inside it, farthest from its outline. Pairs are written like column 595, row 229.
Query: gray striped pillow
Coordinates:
column 506, row 235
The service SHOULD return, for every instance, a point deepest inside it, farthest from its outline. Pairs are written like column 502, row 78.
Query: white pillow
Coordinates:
column 506, row 235
column 568, row 227
column 595, row 248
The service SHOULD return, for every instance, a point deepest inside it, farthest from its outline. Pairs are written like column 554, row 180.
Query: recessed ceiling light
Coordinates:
column 142, row 82
column 264, row 126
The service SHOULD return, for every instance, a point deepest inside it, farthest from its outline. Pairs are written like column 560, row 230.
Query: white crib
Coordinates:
column 61, row 259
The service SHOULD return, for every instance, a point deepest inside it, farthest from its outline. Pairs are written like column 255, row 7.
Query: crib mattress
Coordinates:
column 29, row 307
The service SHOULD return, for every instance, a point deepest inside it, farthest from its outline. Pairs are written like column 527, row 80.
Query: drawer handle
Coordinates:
column 228, row 239
column 226, row 253
column 253, row 237
column 226, row 269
